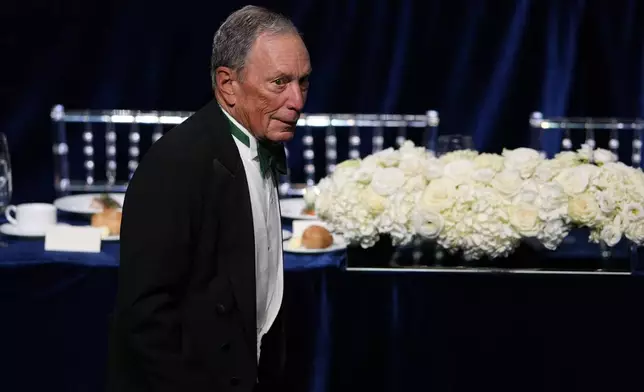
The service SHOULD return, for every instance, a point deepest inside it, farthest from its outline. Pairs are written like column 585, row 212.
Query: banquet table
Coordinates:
column 373, row 329
column 54, row 309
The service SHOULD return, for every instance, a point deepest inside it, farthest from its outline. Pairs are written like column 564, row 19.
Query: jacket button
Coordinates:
column 220, row 308
column 225, row 346
column 234, row 381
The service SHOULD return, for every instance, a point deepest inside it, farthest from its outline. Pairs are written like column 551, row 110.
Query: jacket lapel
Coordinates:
column 236, row 239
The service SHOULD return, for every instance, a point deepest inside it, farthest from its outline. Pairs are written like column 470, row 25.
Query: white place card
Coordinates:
column 73, row 239
column 300, row 225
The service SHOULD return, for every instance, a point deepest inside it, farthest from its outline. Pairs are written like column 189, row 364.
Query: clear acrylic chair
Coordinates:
column 110, row 143
column 342, row 136
column 624, row 137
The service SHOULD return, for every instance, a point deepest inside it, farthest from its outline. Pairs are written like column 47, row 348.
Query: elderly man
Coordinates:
column 201, row 276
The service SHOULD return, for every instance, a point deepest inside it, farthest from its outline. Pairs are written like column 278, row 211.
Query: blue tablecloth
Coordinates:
column 32, row 251
column 54, row 308
column 377, row 331
column 27, row 252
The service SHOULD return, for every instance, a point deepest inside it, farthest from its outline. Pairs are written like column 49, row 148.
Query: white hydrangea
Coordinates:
column 466, row 216
column 603, row 195
column 364, row 199
column 524, row 160
column 482, row 205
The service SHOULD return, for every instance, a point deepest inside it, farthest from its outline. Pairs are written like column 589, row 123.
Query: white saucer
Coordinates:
column 292, row 209
column 82, row 203
column 286, row 235
column 338, row 244
column 16, row 231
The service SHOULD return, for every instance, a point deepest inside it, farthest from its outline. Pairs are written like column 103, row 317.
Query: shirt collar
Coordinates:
column 252, row 142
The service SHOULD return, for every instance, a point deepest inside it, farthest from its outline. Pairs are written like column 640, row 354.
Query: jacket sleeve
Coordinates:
column 160, row 214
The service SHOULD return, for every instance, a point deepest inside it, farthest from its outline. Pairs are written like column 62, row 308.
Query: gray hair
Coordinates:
column 236, row 36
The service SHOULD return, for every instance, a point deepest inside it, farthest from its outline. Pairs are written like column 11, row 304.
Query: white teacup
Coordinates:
column 32, row 217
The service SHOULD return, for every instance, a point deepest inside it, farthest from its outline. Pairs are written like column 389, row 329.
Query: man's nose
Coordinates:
column 296, row 98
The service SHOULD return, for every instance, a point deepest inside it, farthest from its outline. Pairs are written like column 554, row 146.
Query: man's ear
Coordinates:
column 224, row 79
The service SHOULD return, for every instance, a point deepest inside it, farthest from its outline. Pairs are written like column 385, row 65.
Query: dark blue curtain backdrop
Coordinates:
column 484, row 65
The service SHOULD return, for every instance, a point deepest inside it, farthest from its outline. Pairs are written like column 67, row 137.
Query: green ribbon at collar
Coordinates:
column 271, row 155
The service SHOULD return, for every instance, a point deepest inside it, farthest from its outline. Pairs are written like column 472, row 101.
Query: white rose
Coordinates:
column 635, row 232
column 525, row 160
column 507, row 182
column 388, row 180
column 434, row 169
column 483, row 175
column 576, row 179
column 438, row 195
column 489, row 161
column 428, row 224
column 583, row 209
column 525, row 219
column 601, row 156
column 611, row 235
column 388, row 157
column 459, row 170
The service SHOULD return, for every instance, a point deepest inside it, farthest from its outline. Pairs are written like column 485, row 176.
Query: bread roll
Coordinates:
column 316, row 237
column 110, row 219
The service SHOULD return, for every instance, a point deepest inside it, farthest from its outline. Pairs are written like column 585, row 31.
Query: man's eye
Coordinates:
column 279, row 82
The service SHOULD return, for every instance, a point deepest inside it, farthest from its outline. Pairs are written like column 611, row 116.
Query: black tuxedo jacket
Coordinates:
column 185, row 319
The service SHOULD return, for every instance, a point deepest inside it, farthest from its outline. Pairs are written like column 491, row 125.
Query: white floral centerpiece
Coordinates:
column 364, row 199
column 483, row 205
column 604, row 195
column 491, row 202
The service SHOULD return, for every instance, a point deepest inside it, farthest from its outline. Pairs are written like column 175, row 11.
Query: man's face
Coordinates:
column 272, row 87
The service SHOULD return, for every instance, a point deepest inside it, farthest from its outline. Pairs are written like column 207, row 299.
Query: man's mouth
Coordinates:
column 289, row 123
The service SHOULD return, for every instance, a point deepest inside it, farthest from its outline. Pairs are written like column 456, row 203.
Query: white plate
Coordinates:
column 81, row 204
column 338, row 244
column 16, row 231
column 292, row 209
column 286, row 234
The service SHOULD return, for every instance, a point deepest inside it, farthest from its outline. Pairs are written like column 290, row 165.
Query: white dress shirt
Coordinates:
column 269, row 270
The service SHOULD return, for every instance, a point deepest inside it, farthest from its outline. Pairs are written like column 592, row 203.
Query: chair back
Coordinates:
column 624, row 137
column 110, row 144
